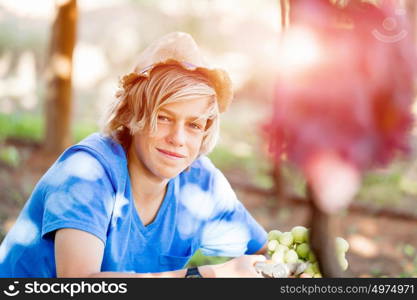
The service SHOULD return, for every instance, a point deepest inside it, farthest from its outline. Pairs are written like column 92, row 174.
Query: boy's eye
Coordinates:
column 196, row 126
column 163, row 118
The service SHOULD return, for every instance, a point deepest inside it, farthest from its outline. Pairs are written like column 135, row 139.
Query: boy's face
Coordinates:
column 176, row 142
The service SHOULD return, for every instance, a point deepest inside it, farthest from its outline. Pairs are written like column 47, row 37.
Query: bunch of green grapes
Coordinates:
column 294, row 247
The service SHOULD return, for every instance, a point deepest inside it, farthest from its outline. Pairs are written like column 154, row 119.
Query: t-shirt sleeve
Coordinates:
column 79, row 195
column 231, row 231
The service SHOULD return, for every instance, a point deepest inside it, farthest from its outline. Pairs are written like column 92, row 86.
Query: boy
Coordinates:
column 140, row 198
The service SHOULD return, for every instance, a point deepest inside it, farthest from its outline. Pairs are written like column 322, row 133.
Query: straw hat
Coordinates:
column 179, row 48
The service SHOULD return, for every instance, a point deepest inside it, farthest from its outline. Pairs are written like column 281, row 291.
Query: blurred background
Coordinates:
column 240, row 36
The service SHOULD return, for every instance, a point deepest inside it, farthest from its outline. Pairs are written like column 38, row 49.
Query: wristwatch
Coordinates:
column 193, row 273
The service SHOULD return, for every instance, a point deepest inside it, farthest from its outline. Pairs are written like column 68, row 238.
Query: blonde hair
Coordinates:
column 136, row 106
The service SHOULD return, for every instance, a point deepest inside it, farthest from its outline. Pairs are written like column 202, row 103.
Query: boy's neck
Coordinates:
column 146, row 186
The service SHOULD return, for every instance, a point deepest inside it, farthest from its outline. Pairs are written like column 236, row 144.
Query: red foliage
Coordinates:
column 356, row 101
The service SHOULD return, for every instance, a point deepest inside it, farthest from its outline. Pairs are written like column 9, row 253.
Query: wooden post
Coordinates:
column 59, row 72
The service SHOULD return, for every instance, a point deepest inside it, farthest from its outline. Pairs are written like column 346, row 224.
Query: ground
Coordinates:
column 379, row 246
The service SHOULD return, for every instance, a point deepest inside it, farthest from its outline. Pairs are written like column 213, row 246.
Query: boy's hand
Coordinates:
column 243, row 266
column 270, row 269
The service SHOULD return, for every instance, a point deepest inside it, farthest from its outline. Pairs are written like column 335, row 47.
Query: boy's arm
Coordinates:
column 75, row 261
column 79, row 254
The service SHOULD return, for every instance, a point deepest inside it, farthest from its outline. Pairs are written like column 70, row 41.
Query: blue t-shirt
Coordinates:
column 88, row 188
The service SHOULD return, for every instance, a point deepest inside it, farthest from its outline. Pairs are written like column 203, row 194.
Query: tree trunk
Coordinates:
column 59, row 71
column 324, row 229
column 411, row 7
column 285, row 13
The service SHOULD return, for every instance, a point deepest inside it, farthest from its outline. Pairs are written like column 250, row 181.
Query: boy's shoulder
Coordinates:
column 102, row 147
column 92, row 157
column 102, row 144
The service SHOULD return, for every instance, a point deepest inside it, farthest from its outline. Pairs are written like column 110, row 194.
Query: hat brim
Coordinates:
column 218, row 78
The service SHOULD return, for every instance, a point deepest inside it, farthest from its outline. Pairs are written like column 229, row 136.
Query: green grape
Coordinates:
column 290, row 256
column 278, row 257
column 342, row 246
column 343, row 261
column 303, row 250
column 311, row 257
column 299, row 234
column 317, row 275
column 281, row 248
column 286, row 239
column 315, row 267
column 309, row 270
column 272, row 245
column 308, row 236
column 274, row 235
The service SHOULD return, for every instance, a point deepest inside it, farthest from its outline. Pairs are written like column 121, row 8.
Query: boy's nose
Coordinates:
column 177, row 136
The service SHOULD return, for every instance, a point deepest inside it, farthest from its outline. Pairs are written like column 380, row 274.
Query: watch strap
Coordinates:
column 193, row 273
